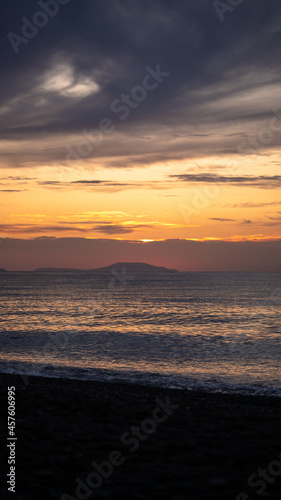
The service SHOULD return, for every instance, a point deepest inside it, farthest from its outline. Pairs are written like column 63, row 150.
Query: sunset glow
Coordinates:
column 128, row 149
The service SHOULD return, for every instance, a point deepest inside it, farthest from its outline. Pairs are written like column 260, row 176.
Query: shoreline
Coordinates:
column 156, row 380
column 192, row 444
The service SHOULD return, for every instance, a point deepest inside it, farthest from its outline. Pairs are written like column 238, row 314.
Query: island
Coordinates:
column 136, row 267
column 132, row 267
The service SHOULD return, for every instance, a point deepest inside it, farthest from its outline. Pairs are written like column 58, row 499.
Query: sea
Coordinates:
column 210, row 331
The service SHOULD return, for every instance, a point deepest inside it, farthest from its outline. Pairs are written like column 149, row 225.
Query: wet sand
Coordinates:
column 153, row 443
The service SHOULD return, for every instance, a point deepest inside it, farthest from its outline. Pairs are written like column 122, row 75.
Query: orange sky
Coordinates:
column 145, row 203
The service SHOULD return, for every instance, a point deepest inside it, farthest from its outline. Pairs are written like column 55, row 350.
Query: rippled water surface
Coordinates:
column 218, row 331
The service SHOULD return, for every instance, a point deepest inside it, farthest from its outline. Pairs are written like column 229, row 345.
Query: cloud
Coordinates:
column 61, row 80
column 107, row 185
column 222, row 86
column 256, row 205
column 273, row 221
column 220, row 219
column 82, row 226
column 17, row 178
column 10, row 190
column 261, row 181
column 115, row 229
column 31, row 229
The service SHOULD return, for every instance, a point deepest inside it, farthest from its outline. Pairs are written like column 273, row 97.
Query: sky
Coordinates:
column 140, row 131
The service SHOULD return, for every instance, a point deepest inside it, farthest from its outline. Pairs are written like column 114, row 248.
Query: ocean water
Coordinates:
column 210, row 331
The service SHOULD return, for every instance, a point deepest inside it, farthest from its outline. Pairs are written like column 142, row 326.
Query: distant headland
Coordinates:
column 132, row 267
column 136, row 267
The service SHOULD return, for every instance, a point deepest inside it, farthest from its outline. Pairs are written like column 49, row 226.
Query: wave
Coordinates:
column 169, row 381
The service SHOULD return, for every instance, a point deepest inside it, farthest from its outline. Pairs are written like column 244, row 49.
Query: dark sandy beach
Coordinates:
column 162, row 444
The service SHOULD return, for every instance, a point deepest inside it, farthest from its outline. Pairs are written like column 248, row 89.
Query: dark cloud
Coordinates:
column 89, row 182
column 256, row 205
column 102, row 185
column 96, row 184
column 224, row 77
column 261, row 181
column 17, row 178
column 113, row 229
column 104, row 228
column 31, row 229
column 277, row 219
